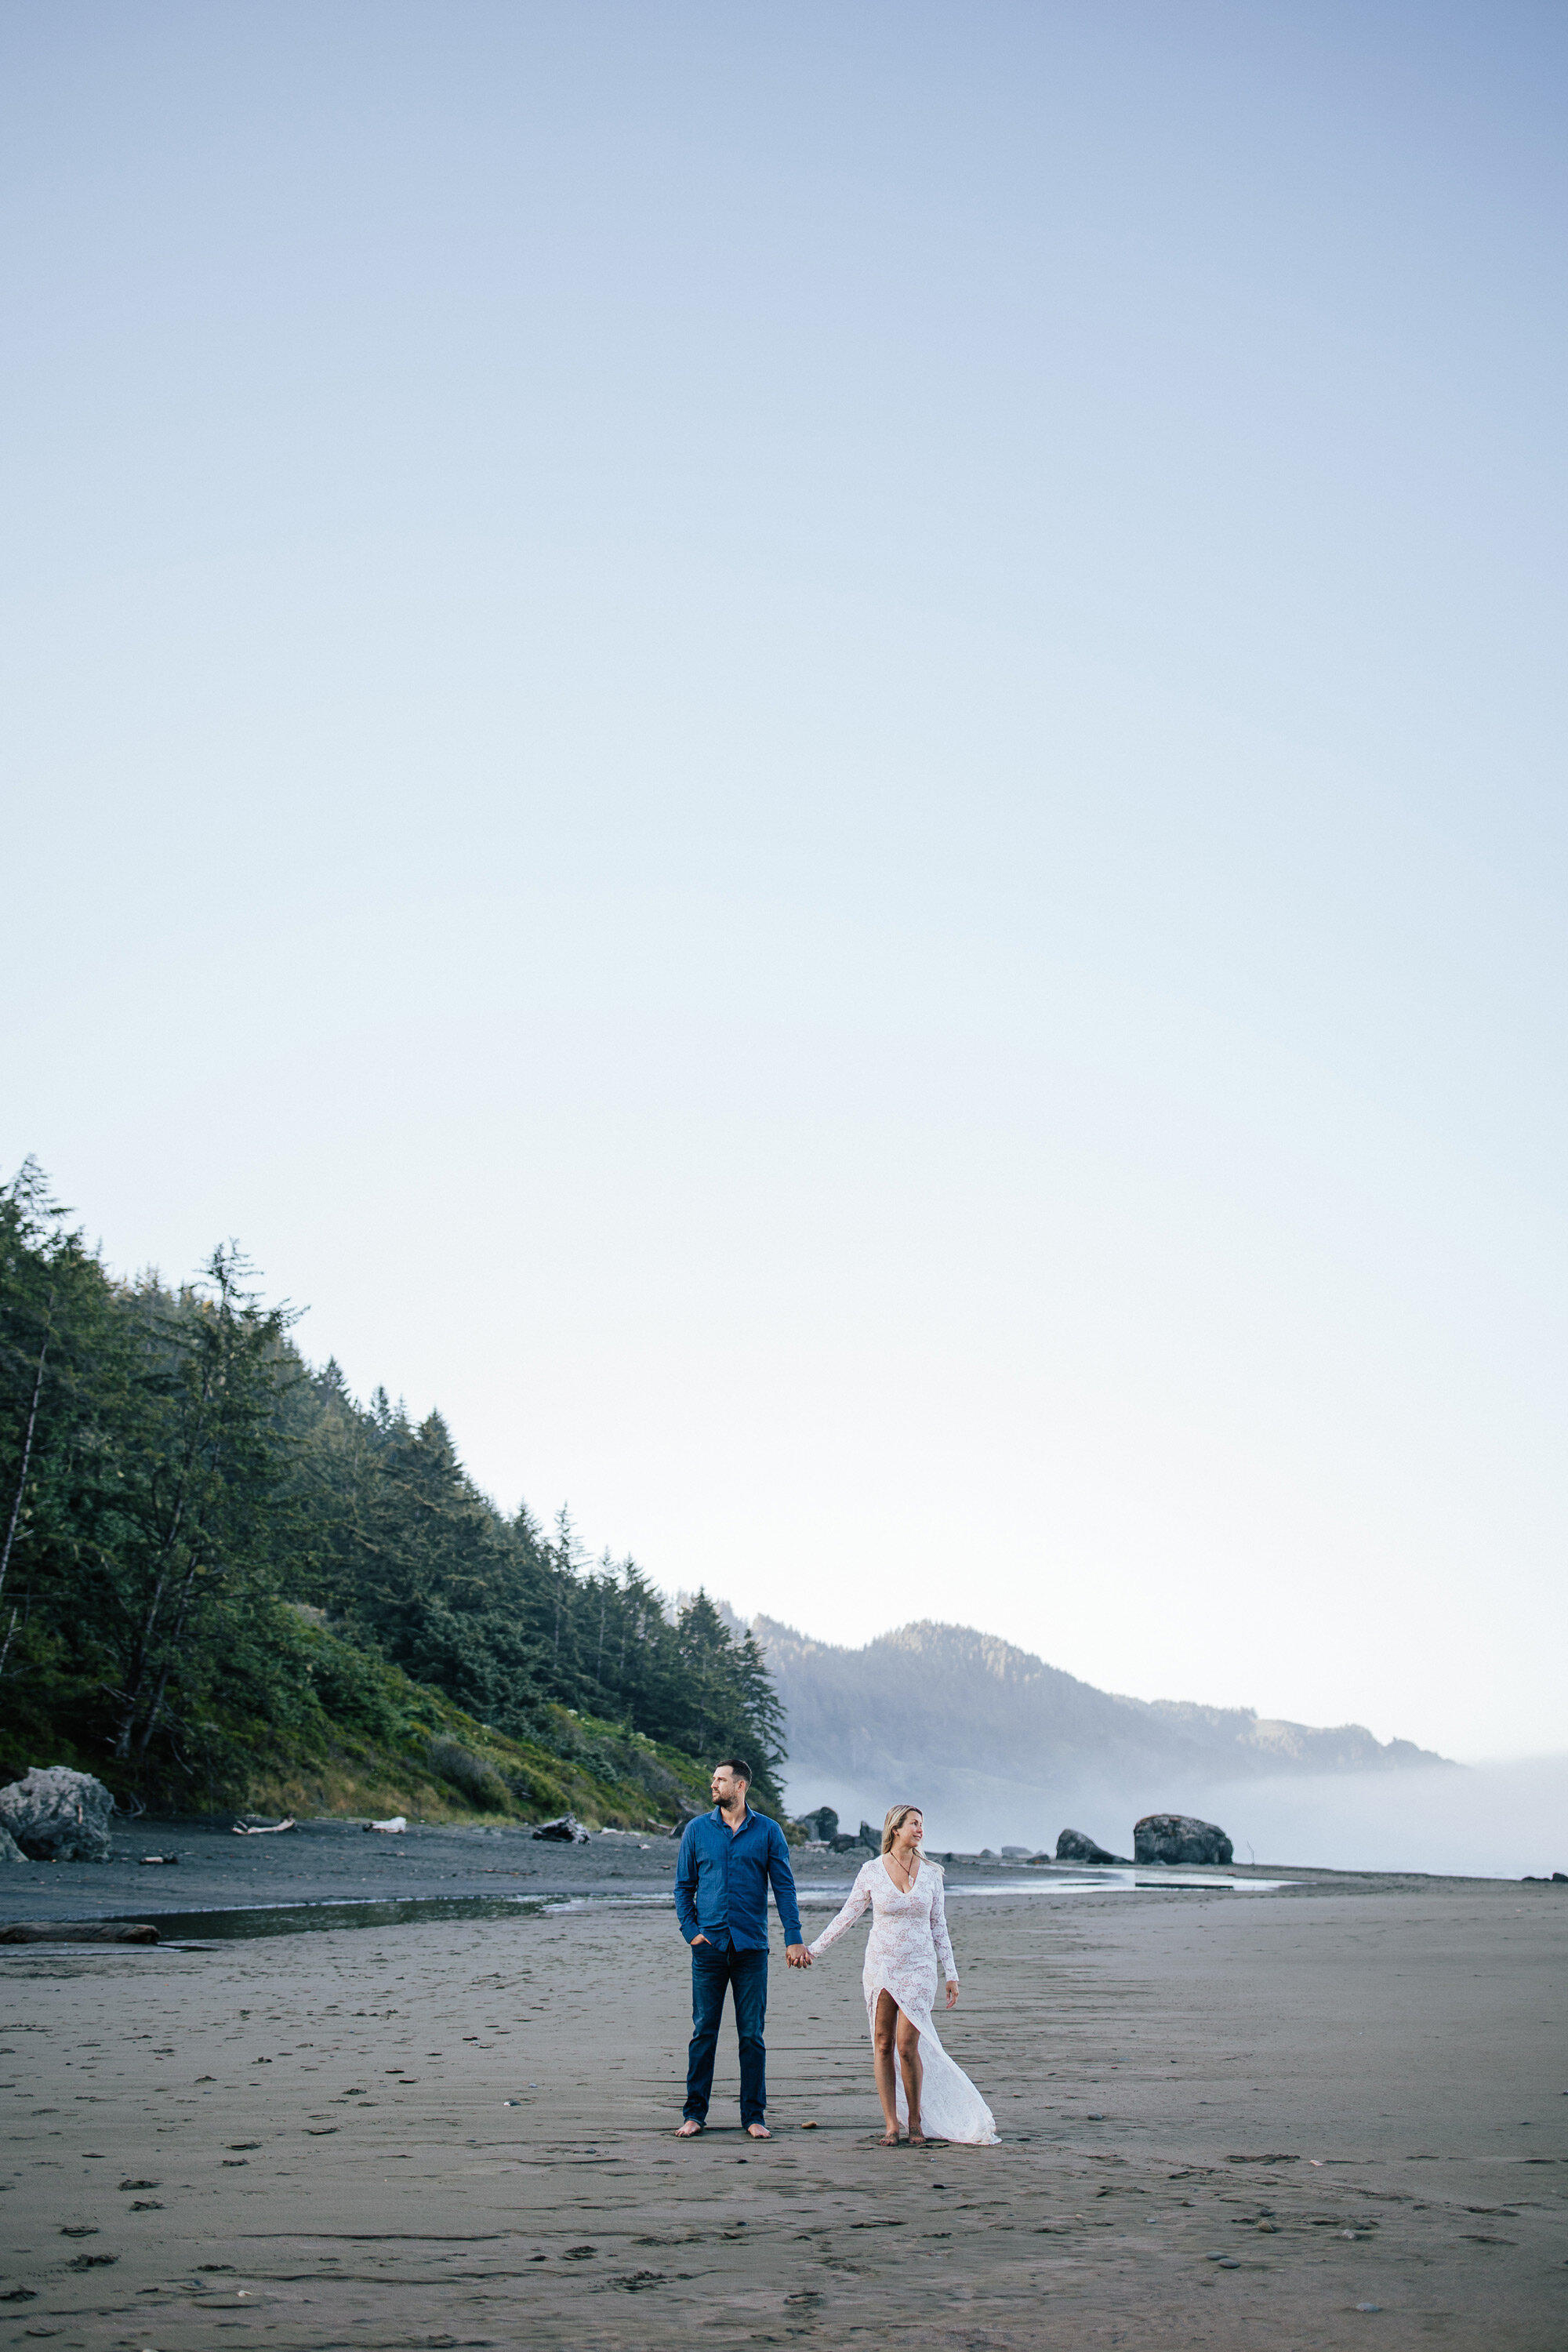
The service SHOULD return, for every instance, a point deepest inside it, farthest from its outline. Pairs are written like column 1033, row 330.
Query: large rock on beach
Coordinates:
column 565, row 1830
column 1179, row 1837
column 9, row 1850
column 58, row 1815
column 1073, row 1846
column 823, row 1823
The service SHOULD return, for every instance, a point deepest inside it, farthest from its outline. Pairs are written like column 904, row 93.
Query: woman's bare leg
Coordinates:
column 909, row 2066
column 884, row 2033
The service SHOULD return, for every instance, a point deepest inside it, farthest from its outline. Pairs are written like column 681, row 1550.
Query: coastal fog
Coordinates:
column 1489, row 1819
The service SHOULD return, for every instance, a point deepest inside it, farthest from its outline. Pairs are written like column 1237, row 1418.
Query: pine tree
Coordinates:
column 174, row 1479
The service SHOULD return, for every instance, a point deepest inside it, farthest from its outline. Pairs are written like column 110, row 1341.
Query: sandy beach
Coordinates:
column 1353, row 2092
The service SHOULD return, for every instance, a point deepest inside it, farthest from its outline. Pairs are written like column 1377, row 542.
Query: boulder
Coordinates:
column 871, row 1839
column 844, row 1843
column 1073, row 1846
column 9, row 1850
column 565, row 1830
column 823, row 1824
column 1178, row 1837
column 58, row 1815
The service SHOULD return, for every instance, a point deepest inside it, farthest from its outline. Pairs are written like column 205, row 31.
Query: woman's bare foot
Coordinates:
column 759, row 2131
column 917, row 2139
column 689, row 2128
column 889, row 2138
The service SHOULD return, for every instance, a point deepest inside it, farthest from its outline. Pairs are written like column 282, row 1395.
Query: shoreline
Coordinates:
column 331, row 1862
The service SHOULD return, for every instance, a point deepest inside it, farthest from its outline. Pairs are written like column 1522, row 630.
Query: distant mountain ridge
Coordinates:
column 951, row 1697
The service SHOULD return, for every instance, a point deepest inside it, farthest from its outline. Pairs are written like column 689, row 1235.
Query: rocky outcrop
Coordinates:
column 58, row 1815
column 565, row 1830
column 1179, row 1837
column 1073, row 1846
column 866, row 1840
column 823, row 1824
column 9, row 1850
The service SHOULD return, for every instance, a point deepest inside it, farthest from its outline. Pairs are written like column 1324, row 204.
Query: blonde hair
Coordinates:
column 896, row 1816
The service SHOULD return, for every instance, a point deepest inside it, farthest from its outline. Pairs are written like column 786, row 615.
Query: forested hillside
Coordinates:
column 222, row 1579
column 997, row 1709
column 1002, row 1747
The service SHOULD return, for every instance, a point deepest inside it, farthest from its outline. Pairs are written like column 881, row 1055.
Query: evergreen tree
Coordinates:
column 174, row 1481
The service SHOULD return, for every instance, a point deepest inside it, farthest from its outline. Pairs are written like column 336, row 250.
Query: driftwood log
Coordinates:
column 78, row 1931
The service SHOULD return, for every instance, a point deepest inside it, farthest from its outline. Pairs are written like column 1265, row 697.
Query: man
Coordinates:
column 726, row 1861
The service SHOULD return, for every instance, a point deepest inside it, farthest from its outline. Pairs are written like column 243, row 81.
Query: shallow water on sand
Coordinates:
column 240, row 1923
column 305, row 1918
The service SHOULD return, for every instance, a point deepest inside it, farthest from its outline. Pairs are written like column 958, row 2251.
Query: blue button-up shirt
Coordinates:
column 722, row 1881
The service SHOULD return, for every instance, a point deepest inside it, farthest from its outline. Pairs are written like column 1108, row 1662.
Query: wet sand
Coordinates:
column 326, row 1861
column 306, row 2141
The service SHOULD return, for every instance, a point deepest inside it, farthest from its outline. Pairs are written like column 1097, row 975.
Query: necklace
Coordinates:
column 910, row 1869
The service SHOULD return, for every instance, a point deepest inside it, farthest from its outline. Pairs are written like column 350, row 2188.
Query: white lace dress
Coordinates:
column 908, row 1955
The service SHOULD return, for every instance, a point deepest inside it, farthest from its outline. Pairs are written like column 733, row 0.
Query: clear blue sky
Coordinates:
column 815, row 755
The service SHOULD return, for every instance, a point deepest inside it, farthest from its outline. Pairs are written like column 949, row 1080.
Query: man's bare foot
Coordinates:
column 889, row 2138
column 759, row 2131
column 689, row 2128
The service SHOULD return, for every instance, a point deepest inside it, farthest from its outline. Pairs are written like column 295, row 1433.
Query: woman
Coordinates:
column 907, row 1939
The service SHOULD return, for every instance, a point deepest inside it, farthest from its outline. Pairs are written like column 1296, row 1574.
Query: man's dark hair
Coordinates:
column 736, row 1764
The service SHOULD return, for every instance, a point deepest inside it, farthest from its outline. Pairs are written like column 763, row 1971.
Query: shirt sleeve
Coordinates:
column 938, row 1934
column 686, row 1882
column 859, row 1895
column 783, row 1877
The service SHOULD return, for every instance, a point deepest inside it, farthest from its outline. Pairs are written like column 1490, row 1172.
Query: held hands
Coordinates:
column 951, row 1990
column 797, row 1957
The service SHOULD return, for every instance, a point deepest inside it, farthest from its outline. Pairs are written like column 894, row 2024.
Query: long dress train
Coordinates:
column 908, row 1953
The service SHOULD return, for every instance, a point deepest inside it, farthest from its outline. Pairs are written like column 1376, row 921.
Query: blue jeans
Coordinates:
column 714, row 1968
